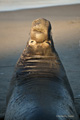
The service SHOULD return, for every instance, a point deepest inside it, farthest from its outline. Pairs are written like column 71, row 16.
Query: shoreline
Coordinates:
column 41, row 7
column 37, row 7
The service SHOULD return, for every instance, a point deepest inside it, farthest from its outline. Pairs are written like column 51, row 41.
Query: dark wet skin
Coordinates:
column 39, row 89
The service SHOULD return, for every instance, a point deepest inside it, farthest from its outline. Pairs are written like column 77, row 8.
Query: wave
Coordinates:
column 12, row 5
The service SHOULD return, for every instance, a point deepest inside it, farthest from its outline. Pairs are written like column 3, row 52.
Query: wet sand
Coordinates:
column 14, row 33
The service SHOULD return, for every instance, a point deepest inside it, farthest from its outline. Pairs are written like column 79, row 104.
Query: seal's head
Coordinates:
column 40, row 42
column 40, row 30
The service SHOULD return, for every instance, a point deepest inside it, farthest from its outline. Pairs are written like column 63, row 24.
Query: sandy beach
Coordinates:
column 14, row 33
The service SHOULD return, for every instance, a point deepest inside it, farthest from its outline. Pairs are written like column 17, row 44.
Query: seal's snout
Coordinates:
column 40, row 38
column 40, row 30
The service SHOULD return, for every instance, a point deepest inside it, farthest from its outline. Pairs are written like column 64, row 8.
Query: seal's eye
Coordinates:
column 32, row 42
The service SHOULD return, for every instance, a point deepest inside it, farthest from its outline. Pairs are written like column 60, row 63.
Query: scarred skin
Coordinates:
column 39, row 89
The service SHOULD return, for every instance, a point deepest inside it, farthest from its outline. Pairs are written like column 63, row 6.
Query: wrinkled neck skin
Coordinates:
column 38, row 63
column 40, row 67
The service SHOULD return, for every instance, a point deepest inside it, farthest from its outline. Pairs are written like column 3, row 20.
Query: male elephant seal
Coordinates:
column 39, row 89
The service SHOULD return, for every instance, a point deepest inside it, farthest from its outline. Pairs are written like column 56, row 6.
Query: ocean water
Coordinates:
column 10, row 5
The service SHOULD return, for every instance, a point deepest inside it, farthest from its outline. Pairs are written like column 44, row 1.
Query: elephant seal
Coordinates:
column 39, row 89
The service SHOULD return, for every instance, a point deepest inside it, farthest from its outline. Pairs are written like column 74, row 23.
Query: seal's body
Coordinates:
column 39, row 89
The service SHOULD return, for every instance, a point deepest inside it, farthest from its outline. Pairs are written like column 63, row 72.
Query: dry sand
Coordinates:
column 14, row 33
